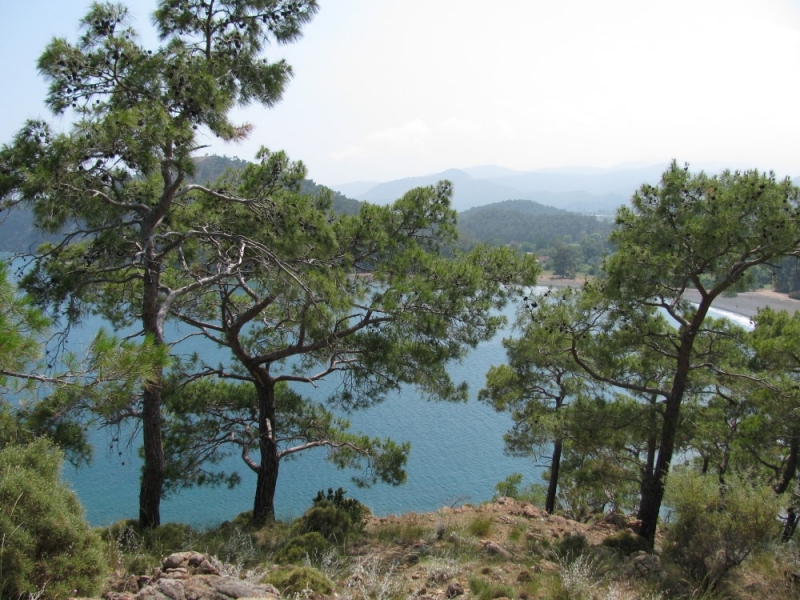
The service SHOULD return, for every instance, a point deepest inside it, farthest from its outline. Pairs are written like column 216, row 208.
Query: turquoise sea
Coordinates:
column 457, row 456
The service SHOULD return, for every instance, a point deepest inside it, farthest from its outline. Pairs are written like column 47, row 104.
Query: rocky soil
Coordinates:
column 513, row 547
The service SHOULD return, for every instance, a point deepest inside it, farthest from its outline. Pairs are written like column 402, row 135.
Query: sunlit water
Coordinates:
column 457, row 456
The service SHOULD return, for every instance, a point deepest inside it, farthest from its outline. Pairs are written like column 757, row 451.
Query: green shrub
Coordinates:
column 45, row 544
column 487, row 590
column 333, row 524
column 354, row 509
column 534, row 493
column 311, row 545
column 509, row 487
column 480, row 526
column 572, row 546
column 626, row 543
column 300, row 579
column 335, row 517
column 169, row 538
column 716, row 527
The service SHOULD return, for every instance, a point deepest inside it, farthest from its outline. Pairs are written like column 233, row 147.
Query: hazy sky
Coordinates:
column 385, row 89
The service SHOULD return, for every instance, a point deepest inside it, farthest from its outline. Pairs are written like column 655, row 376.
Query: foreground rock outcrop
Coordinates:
column 189, row 576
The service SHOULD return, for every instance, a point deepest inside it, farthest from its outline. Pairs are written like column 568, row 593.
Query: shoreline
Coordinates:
column 745, row 304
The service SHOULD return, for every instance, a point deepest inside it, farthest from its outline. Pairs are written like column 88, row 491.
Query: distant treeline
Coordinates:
column 530, row 225
column 525, row 224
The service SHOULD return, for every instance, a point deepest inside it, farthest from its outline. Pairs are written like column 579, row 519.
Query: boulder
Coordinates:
column 192, row 576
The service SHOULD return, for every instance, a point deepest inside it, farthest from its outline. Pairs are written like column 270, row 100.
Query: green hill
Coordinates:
column 527, row 222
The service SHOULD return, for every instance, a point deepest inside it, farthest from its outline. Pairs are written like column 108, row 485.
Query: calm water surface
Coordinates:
column 456, row 456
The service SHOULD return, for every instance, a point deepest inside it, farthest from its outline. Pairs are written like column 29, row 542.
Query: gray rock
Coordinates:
column 455, row 589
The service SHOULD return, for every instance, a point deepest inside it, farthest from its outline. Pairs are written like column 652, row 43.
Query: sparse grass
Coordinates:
column 552, row 559
column 769, row 574
column 370, row 580
column 403, row 533
column 487, row 590
column 578, row 577
column 480, row 526
column 441, row 569
column 515, row 535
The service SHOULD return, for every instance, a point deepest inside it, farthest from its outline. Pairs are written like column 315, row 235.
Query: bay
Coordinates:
column 457, row 456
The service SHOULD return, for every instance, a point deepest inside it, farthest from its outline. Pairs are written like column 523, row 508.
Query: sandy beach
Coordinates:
column 745, row 303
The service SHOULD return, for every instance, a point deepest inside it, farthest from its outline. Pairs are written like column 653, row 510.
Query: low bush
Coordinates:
column 354, row 509
column 510, row 487
column 299, row 580
column 626, row 543
column 335, row 517
column 571, row 547
column 46, row 547
column 488, row 590
column 716, row 527
column 480, row 526
column 330, row 522
column 308, row 546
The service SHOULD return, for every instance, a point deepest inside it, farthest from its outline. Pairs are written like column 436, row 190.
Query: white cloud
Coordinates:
column 411, row 135
column 389, row 89
column 348, row 153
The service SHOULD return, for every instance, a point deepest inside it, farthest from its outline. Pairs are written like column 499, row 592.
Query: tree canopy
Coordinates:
column 115, row 185
column 634, row 329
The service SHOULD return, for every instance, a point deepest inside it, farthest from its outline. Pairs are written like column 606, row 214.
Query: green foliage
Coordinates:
column 566, row 259
column 571, row 547
column 526, row 222
column 116, row 185
column 786, row 273
column 690, row 231
column 416, row 311
column 354, row 509
column 45, row 545
column 509, row 487
column 332, row 523
column 716, row 527
column 626, row 543
column 480, row 526
column 311, row 546
column 488, row 590
column 300, row 580
column 56, row 390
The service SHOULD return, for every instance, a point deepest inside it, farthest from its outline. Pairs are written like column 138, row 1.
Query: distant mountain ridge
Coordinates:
column 577, row 189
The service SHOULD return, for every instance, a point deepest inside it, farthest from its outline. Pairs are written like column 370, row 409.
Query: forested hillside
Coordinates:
column 528, row 224
column 18, row 234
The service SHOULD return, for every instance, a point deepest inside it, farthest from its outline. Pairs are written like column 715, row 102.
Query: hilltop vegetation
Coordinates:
column 524, row 224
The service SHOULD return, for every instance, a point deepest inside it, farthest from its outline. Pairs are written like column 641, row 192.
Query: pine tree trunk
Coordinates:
column 653, row 488
column 264, row 503
column 152, row 484
column 153, row 470
column 552, row 487
column 650, row 462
